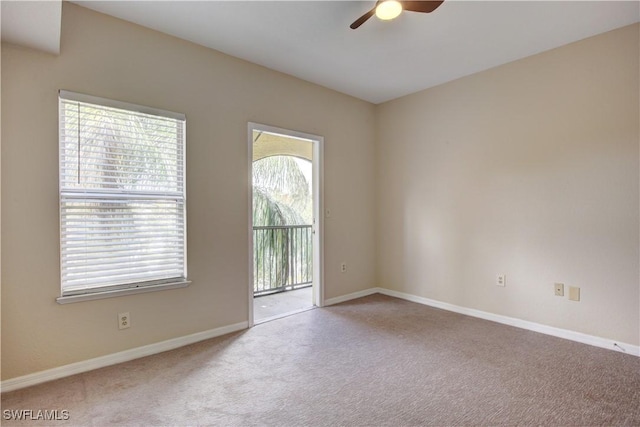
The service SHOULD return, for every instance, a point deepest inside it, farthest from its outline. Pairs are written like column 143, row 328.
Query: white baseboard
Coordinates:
column 351, row 296
column 147, row 350
column 112, row 359
column 519, row 323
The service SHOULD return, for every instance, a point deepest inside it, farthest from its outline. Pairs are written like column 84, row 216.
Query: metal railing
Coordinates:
column 282, row 258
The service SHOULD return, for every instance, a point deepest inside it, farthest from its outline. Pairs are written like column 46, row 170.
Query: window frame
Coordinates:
column 132, row 287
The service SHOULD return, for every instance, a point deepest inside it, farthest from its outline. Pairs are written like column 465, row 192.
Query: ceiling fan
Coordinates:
column 389, row 9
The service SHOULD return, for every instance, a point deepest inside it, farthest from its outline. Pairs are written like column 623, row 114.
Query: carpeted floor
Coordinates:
column 375, row 361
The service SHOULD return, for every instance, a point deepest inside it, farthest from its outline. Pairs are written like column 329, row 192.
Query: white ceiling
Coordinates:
column 380, row 60
column 33, row 24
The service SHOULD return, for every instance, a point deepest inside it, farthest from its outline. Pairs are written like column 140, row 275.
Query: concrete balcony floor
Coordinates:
column 273, row 306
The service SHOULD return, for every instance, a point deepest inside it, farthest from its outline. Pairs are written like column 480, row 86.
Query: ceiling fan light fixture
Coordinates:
column 388, row 9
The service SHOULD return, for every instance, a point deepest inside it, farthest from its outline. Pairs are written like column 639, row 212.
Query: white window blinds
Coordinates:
column 122, row 195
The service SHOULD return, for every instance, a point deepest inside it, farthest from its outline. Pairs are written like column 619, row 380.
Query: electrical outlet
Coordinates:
column 343, row 267
column 124, row 320
column 574, row 293
column 501, row 280
column 559, row 289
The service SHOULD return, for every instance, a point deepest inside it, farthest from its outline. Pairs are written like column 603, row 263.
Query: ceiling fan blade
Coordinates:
column 362, row 19
column 421, row 6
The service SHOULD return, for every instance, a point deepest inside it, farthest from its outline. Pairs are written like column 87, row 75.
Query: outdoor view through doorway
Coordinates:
column 283, row 228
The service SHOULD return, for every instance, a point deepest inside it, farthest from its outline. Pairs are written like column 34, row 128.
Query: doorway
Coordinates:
column 285, row 225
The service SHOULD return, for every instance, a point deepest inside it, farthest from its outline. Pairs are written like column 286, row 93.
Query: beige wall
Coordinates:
column 529, row 169
column 110, row 58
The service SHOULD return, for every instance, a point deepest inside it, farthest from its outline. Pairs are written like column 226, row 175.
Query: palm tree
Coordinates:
column 281, row 197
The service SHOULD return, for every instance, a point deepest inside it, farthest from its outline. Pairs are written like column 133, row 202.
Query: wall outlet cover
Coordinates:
column 124, row 320
column 559, row 289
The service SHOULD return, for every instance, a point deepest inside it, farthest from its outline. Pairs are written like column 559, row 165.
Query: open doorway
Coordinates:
column 285, row 225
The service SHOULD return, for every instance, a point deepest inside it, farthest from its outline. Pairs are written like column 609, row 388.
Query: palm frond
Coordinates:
column 281, row 178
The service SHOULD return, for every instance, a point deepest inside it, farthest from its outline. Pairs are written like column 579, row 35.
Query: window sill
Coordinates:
column 68, row 299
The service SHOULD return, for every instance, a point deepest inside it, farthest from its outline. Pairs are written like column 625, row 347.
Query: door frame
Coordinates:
column 318, row 208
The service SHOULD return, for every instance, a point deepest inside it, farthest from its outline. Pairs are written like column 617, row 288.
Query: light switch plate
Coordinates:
column 574, row 293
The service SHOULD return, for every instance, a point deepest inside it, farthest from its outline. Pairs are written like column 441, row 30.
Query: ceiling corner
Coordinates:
column 33, row 24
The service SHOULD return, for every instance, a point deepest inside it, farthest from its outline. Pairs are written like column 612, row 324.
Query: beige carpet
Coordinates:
column 376, row 361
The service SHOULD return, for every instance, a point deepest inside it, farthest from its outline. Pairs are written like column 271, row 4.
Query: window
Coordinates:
column 122, row 197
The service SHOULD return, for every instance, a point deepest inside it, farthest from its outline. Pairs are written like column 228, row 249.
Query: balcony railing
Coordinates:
column 282, row 258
